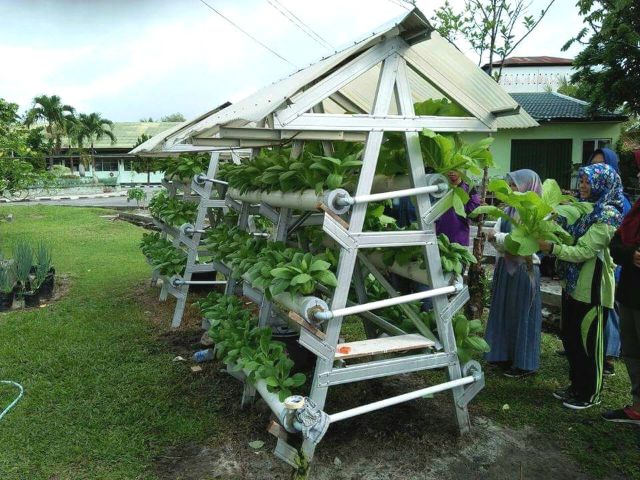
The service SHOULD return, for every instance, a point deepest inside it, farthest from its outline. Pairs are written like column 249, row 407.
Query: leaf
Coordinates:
column 478, row 344
column 282, row 272
column 327, row 278
column 301, row 278
column 551, row 193
column 256, row 444
column 319, row 265
column 298, row 379
column 271, row 381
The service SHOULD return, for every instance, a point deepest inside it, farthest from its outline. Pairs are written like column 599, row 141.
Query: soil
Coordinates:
column 415, row 440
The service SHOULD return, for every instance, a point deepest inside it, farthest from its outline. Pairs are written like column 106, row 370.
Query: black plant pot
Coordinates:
column 303, row 359
column 6, row 300
column 31, row 299
column 47, row 287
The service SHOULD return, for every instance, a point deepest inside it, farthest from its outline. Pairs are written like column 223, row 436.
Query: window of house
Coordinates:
column 590, row 146
column 106, row 165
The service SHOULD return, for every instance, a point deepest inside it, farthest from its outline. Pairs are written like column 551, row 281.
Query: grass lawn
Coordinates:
column 104, row 400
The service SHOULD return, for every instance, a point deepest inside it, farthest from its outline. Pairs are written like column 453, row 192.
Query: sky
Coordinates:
column 133, row 59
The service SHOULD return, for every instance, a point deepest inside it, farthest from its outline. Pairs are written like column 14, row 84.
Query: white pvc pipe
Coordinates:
column 388, row 402
column 198, row 282
column 409, row 192
column 387, row 302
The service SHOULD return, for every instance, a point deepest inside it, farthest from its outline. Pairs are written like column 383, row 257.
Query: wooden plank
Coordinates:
column 306, row 325
column 377, row 346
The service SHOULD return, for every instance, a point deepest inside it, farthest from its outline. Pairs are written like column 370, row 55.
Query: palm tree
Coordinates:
column 93, row 127
column 54, row 113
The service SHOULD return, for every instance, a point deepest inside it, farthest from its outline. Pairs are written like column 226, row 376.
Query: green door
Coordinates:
column 548, row 158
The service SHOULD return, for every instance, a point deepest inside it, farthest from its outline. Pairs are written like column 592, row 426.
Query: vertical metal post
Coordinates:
column 432, row 253
column 192, row 254
column 347, row 261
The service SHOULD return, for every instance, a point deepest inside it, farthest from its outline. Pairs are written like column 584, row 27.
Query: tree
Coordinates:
column 489, row 26
column 575, row 90
column 174, row 117
column 21, row 166
column 54, row 113
column 608, row 67
column 146, row 120
column 91, row 128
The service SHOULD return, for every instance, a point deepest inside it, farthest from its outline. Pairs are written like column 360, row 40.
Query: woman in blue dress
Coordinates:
column 515, row 316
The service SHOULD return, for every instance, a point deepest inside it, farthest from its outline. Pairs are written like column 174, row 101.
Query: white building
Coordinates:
column 533, row 74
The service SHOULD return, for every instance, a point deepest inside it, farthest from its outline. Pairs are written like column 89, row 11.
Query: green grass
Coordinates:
column 600, row 447
column 103, row 398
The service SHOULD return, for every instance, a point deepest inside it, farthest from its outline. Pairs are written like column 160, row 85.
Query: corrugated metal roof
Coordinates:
column 553, row 106
column 127, row 133
column 429, row 56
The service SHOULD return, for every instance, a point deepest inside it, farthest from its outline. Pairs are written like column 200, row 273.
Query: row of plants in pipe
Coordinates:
column 244, row 346
column 171, row 210
column 183, row 167
column 28, row 276
column 271, row 266
column 162, row 255
column 273, row 169
column 454, row 257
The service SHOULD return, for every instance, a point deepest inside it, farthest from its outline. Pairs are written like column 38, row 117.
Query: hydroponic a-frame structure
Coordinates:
column 358, row 94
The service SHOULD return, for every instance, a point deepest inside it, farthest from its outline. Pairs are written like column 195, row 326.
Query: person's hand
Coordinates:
column 545, row 246
column 636, row 258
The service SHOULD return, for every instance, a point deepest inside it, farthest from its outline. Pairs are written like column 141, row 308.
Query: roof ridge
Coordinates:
column 567, row 97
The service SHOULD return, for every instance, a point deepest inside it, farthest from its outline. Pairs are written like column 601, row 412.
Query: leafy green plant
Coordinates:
column 43, row 264
column 536, row 215
column 23, row 261
column 136, row 193
column 171, row 210
column 244, row 346
column 162, row 255
column 301, row 275
column 453, row 256
column 468, row 342
column 185, row 166
column 7, row 278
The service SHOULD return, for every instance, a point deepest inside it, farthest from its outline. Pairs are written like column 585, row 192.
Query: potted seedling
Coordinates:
column 7, row 286
column 43, row 281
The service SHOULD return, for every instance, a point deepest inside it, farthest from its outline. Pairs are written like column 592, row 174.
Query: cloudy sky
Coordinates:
column 129, row 59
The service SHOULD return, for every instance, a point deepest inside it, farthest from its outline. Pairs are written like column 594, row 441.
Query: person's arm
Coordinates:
column 621, row 254
column 473, row 203
column 595, row 240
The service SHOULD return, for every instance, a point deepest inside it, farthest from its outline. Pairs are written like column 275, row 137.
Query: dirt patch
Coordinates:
column 415, row 440
column 61, row 289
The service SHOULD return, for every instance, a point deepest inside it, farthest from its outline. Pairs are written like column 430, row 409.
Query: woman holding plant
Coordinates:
column 515, row 316
column 588, row 280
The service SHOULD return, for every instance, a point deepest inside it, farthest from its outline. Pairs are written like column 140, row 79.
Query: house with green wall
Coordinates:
column 566, row 136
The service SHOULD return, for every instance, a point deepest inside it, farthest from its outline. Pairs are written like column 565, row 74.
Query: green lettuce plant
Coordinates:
column 536, row 217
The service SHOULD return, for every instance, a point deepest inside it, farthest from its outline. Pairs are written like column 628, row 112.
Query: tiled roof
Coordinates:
column 533, row 62
column 553, row 106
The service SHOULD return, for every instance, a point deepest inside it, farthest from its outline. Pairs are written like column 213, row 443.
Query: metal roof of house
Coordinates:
column 127, row 133
column 429, row 55
column 555, row 107
column 542, row 61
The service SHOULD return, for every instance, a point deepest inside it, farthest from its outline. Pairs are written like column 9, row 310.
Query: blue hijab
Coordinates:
column 611, row 159
column 608, row 203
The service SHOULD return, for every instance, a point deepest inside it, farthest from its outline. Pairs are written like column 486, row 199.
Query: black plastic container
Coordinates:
column 31, row 299
column 6, row 300
column 47, row 287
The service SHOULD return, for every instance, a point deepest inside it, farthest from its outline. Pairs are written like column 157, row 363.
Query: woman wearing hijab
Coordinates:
column 625, row 250
column 515, row 316
column 612, row 328
column 588, row 284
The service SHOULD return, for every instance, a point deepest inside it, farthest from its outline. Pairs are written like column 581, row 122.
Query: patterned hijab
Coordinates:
column 608, row 201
